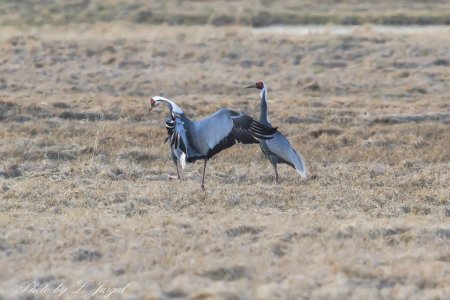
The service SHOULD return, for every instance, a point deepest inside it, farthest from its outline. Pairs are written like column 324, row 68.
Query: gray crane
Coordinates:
column 193, row 140
column 278, row 149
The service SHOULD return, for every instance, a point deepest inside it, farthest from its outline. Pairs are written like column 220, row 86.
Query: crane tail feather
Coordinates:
column 300, row 164
column 183, row 160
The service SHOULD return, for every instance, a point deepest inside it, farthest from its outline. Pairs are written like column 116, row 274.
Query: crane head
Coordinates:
column 259, row 85
column 153, row 103
column 173, row 108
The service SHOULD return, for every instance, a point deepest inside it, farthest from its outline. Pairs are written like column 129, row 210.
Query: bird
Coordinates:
column 200, row 140
column 278, row 149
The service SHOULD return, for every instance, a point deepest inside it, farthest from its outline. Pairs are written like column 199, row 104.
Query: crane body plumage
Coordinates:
column 278, row 149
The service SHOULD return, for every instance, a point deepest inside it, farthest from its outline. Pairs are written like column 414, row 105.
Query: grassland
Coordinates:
column 84, row 186
column 222, row 12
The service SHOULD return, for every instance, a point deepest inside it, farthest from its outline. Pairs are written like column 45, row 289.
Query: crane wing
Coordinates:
column 170, row 126
column 247, row 130
column 178, row 138
column 226, row 127
column 281, row 147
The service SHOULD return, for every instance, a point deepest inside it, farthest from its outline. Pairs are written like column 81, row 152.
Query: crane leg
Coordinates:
column 276, row 173
column 176, row 166
column 273, row 159
column 204, row 171
column 175, row 161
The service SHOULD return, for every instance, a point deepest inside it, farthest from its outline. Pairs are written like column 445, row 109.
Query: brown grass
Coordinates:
column 222, row 12
column 84, row 185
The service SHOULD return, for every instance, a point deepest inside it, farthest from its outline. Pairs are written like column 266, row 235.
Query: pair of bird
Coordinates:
column 194, row 140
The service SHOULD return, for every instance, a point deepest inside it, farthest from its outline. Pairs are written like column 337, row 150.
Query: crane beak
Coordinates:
column 152, row 105
column 150, row 109
column 251, row 86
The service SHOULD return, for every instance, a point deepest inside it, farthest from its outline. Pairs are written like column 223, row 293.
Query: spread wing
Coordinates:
column 226, row 127
column 247, row 130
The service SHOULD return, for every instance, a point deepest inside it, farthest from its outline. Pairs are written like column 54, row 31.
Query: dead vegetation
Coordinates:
column 223, row 13
column 84, row 186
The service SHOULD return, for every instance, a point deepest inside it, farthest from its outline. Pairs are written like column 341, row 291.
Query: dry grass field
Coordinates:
column 225, row 12
column 85, row 193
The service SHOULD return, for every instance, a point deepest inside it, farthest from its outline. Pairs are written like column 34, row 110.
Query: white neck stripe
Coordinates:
column 175, row 108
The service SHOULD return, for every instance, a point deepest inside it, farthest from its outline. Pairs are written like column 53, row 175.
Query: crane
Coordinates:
column 278, row 149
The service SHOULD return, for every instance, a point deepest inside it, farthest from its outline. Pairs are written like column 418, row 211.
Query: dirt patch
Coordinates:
column 237, row 231
column 6, row 110
column 86, row 255
column 226, row 274
column 398, row 119
column 88, row 116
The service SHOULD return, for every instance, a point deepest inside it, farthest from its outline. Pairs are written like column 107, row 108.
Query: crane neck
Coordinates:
column 172, row 106
column 264, row 115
